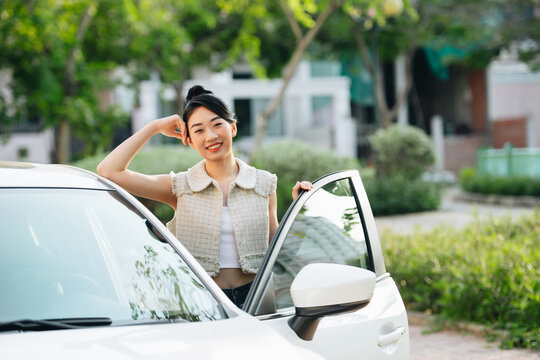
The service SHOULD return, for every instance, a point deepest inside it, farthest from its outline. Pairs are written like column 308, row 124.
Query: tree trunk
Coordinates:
column 178, row 103
column 63, row 141
column 373, row 66
column 288, row 72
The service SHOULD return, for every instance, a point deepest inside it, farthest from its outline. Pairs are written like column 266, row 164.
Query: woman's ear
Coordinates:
column 234, row 129
column 190, row 142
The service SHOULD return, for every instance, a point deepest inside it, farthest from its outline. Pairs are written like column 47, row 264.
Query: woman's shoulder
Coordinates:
column 261, row 181
column 179, row 182
column 266, row 182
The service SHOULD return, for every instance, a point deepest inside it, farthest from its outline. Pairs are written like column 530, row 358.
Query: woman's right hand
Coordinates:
column 172, row 126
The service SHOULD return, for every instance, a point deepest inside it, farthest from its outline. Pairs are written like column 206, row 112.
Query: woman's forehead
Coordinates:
column 201, row 115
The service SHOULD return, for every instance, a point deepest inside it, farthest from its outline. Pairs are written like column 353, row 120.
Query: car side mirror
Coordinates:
column 319, row 290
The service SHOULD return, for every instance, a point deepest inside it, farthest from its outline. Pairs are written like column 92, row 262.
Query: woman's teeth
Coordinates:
column 213, row 147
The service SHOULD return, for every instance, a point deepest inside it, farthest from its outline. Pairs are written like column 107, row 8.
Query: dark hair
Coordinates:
column 198, row 96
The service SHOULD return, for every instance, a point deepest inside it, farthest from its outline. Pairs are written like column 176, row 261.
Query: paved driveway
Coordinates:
column 450, row 345
column 451, row 212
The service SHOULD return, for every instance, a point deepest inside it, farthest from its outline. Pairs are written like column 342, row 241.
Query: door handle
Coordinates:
column 391, row 337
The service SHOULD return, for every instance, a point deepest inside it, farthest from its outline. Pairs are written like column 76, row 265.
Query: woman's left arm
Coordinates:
column 272, row 205
column 272, row 212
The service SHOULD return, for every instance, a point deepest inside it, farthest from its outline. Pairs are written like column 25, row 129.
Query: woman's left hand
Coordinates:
column 304, row 185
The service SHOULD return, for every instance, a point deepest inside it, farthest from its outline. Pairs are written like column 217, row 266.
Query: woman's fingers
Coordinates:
column 306, row 185
column 173, row 126
column 181, row 126
column 303, row 185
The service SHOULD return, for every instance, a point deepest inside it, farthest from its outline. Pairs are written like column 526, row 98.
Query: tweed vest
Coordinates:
column 197, row 221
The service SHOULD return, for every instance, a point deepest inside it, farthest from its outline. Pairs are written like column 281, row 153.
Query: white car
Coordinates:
column 86, row 271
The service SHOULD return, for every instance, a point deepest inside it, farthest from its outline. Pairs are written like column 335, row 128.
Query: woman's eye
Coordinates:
column 218, row 124
column 198, row 131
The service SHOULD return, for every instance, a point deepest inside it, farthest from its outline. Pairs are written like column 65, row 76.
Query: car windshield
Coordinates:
column 69, row 253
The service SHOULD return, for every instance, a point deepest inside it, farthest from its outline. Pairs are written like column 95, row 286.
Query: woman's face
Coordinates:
column 210, row 135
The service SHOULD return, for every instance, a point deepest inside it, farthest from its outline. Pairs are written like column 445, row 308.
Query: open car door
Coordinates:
column 331, row 224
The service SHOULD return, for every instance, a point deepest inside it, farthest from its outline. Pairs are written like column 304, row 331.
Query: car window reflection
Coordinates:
column 327, row 229
column 82, row 253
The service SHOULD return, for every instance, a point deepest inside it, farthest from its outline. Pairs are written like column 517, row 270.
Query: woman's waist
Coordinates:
column 229, row 278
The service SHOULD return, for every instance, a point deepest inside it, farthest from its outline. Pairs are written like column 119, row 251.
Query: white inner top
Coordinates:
column 228, row 252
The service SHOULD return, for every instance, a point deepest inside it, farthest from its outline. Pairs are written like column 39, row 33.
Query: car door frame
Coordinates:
column 261, row 296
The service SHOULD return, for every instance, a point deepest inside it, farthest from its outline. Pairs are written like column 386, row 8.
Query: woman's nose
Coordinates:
column 210, row 135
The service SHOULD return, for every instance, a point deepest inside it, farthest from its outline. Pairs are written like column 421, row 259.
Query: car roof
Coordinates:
column 28, row 175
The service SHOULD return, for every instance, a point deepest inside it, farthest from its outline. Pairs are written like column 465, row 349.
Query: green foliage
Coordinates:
column 402, row 151
column 488, row 273
column 289, row 160
column 294, row 161
column 514, row 185
column 62, row 55
column 389, row 196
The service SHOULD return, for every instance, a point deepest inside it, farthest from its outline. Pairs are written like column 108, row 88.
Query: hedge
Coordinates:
column 291, row 161
column 402, row 151
column 389, row 196
column 295, row 161
column 487, row 273
column 515, row 185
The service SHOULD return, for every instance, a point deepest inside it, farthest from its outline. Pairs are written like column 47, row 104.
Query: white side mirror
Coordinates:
column 319, row 290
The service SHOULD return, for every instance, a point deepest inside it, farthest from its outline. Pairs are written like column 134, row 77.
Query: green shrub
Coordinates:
column 293, row 160
column 402, row 151
column 153, row 160
column 488, row 273
column 515, row 185
column 388, row 196
column 290, row 160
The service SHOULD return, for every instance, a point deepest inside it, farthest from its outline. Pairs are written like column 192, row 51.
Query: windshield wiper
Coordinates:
column 53, row 324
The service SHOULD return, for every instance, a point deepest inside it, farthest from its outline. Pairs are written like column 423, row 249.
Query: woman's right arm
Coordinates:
column 155, row 187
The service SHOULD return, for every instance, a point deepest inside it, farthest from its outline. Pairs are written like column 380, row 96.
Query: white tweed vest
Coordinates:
column 197, row 221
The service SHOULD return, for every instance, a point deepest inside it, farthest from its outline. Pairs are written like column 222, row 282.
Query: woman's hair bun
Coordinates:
column 197, row 90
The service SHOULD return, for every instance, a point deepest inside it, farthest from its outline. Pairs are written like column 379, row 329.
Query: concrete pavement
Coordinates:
column 452, row 211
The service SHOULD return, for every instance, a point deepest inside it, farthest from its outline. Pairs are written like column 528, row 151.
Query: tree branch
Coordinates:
column 293, row 23
column 288, row 73
column 84, row 22
column 404, row 94
column 362, row 47
column 306, row 40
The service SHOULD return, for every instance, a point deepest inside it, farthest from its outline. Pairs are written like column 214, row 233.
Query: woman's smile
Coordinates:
column 214, row 147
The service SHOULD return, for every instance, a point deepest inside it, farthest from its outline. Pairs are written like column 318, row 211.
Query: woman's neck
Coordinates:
column 223, row 170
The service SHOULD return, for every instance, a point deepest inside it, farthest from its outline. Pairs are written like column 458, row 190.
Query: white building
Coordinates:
column 315, row 109
column 513, row 102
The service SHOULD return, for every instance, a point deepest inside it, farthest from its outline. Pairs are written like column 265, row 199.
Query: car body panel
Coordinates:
column 356, row 335
column 23, row 175
column 240, row 338
column 343, row 336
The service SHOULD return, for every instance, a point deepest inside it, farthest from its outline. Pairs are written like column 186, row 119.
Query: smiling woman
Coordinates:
column 225, row 210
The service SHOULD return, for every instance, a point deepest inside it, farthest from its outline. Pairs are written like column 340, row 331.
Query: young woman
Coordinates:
column 225, row 210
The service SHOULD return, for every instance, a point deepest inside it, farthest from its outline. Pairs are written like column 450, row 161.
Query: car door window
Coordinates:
column 327, row 229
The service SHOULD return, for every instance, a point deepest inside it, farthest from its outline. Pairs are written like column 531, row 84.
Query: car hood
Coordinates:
column 239, row 338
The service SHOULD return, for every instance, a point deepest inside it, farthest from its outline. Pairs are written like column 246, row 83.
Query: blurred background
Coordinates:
column 415, row 94
column 78, row 77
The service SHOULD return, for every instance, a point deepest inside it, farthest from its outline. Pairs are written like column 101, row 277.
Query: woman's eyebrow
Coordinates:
column 199, row 124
